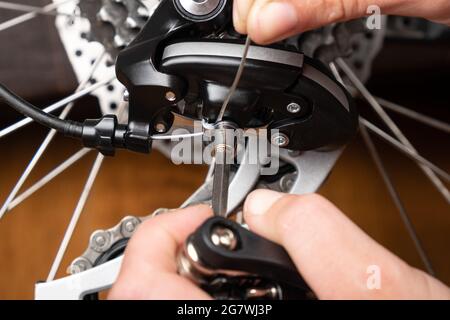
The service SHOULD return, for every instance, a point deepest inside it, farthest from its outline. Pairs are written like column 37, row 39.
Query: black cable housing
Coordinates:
column 68, row 128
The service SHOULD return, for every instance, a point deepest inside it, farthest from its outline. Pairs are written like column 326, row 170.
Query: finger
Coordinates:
column 333, row 255
column 164, row 234
column 149, row 268
column 270, row 20
column 273, row 20
column 241, row 9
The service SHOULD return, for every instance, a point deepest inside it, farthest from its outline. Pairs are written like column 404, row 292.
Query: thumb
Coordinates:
column 334, row 256
column 273, row 20
column 268, row 21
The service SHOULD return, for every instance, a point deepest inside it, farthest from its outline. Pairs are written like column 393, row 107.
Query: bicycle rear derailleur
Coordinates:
column 161, row 66
column 180, row 63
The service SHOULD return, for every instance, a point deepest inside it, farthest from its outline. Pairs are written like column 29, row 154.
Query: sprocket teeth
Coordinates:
column 131, row 23
column 119, row 42
column 103, row 15
column 114, row 23
column 143, row 13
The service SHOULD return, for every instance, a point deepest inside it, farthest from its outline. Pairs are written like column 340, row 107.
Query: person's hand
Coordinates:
column 331, row 253
column 149, row 269
column 269, row 21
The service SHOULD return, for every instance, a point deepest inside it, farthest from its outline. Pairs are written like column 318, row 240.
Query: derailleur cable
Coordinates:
column 67, row 127
column 102, row 134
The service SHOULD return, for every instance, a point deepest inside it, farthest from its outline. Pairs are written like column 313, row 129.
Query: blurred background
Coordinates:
column 412, row 72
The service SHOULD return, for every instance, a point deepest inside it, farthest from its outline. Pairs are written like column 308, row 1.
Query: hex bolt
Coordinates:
column 280, row 140
column 293, row 107
column 160, row 127
column 171, row 96
column 224, row 237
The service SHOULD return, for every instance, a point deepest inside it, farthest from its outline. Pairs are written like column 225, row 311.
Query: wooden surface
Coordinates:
column 138, row 184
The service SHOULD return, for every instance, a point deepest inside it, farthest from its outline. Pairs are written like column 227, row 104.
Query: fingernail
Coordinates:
column 276, row 19
column 260, row 201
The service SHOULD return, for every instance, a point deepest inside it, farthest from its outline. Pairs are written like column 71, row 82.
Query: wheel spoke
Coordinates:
column 27, row 172
column 30, row 15
column 402, row 148
column 392, row 126
column 43, row 147
column 49, row 177
column 336, row 74
column 80, row 205
column 56, row 106
column 396, row 199
column 405, row 150
column 419, row 117
column 75, row 216
column 29, row 9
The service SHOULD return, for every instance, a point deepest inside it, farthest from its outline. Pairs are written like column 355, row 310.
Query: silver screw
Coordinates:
column 294, row 107
column 224, row 237
column 160, row 127
column 171, row 96
column 126, row 96
column 280, row 140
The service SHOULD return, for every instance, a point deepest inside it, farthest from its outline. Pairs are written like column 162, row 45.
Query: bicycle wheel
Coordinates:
column 94, row 33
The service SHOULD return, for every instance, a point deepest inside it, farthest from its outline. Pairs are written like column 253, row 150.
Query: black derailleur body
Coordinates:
column 176, row 66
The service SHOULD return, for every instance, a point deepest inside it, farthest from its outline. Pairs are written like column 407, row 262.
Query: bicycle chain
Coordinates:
column 107, row 244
